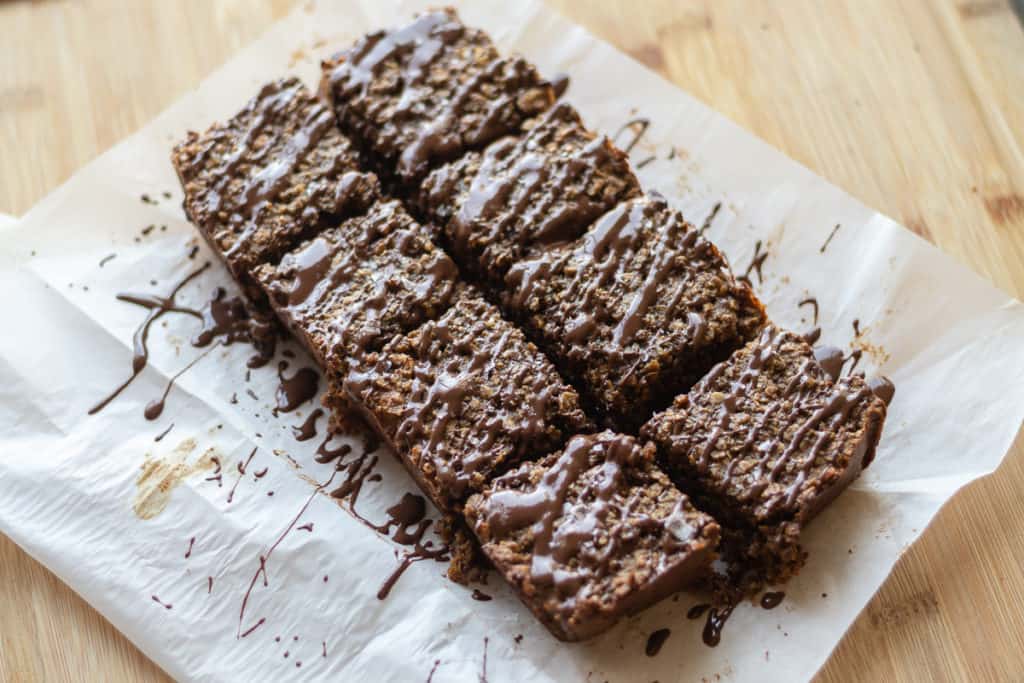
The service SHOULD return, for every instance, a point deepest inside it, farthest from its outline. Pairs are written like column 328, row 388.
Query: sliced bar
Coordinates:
column 592, row 534
column 462, row 398
column 427, row 92
column 767, row 439
column 634, row 311
column 545, row 187
column 353, row 287
column 269, row 177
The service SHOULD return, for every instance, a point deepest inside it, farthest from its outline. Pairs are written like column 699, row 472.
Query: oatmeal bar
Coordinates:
column 767, row 439
column 355, row 286
column 427, row 92
column 592, row 534
column 462, row 398
column 269, row 177
column 634, row 311
column 545, row 187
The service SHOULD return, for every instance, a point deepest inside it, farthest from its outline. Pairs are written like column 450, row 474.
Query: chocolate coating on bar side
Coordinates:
column 767, row 439
column 462, row 398
column 635, row 310
column 353, row 287
column 427, row 92
column 591, row 534
column 542, row 188
column 259, row 183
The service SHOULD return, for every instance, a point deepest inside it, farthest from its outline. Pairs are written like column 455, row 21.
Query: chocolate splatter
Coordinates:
column 756, row 263
column 710, row 218
column 433, row 670
column 481, row 596
column 295, row 390
column 697, row 611
column 637, row 127
column 159, row 437
column 772, row 599
column 307, row 430
column 191, row 544
column 165, row 605
column 830, row 236
column 655, row 641
column 106, row 259
column 813, row 302
column 717, row 617
column 241, row 474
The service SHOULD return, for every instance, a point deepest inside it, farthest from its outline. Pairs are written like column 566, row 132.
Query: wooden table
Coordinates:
column 914, row 106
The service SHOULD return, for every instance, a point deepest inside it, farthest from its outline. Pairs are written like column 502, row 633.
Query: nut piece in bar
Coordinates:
column 592, row 534
column 353, row 287
column 545, row 187
column 766, row 440
column 269, row 177
column 634, row 311
column 462, row 398
column 425, row 93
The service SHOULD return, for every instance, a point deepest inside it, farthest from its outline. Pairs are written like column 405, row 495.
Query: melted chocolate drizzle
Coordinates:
column 481, row 596
column 813, row 302
column 223, row 319
column 307, row 430
column 717, row 617
column 756, row 263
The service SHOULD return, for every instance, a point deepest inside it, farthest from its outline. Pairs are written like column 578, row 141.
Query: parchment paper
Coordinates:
column 112, row 512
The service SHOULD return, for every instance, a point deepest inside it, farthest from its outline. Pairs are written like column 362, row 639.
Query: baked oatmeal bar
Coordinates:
column 592, row 534
column 425, row 93
column 544, row 187
column 355, row 286
column 766, row 440
column 462, row 398
column 269, row 177
column 634, row 311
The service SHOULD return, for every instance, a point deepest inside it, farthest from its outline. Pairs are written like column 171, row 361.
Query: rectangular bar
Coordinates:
column 268, row 177
column 427, row 92
column 462, row 398
column 355, row 286
column 634, row 311
column 544, row 187
column 767, row 439
column 592, row 534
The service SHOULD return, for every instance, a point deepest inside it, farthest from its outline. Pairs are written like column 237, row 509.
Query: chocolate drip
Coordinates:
column 481, row 596
column 717, row 617
column 883, row 388
column 813, row 302
column 829, row 239
column 637, row 127
column 697, row 611
column 773, row 599
column 756, row 263
column 831, row 360
column 307, row 430
column 295, row 390
column 655, row 642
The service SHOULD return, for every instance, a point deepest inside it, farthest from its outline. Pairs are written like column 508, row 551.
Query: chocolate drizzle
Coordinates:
column 592, row 485
column 223, row 319
column 541, row 189
column 813, row 302
column 829, row 239
column 756, row 263
column 637, row 127
column 717, row 616
column 808, row 420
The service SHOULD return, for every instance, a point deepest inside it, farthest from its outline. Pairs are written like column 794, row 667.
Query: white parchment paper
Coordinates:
column 113, row 512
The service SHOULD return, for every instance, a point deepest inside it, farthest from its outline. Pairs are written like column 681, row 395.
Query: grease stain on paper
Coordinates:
column 160, row 476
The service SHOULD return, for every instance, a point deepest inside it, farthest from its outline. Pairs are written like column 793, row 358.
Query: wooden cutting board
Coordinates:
column 916, row 107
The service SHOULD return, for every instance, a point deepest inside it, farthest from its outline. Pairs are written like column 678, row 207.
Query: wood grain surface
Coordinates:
column 916, row 107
